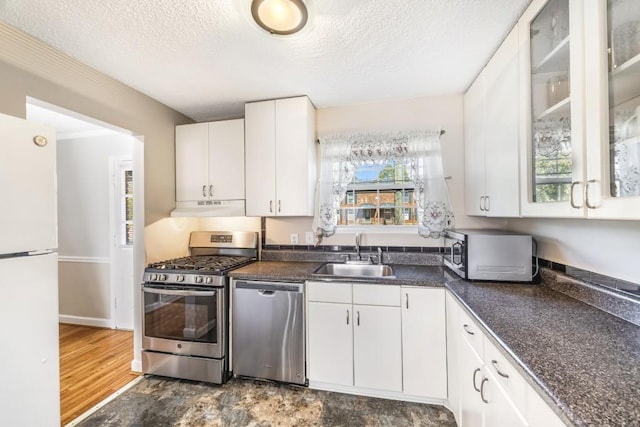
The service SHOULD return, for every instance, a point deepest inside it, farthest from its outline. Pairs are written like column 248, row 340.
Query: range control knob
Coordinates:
column 162, row 277
column 209, row 280
column 180, row 278
column 153, row 276
column 198, row 279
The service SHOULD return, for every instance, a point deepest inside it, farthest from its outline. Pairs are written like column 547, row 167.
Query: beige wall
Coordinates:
column 31, row 68
column 606, row 247
column 84, row 291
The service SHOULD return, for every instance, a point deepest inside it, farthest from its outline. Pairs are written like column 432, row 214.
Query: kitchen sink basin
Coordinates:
column 355, row 270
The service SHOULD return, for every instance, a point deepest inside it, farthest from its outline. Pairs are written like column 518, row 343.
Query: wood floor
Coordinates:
column 94, row 363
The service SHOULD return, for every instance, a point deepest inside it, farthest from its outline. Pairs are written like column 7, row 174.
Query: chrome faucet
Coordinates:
column 358, row 246
column 379, row 255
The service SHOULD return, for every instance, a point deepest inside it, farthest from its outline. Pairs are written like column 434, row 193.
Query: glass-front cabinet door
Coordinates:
column 613, row 108
column 552, row 70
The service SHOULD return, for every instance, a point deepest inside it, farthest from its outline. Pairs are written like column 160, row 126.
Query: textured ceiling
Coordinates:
column 205, row 58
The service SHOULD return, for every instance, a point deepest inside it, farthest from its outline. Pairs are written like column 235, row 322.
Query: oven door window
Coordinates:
column 171, row 315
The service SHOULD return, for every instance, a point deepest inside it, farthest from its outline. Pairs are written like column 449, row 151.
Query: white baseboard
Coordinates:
column 85, row 321
column 136, row 365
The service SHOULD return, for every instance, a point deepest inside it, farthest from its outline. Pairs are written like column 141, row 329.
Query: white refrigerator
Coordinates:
column 29, row 352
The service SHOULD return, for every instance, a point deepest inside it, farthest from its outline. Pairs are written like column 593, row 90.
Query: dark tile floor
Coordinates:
column 160, row 402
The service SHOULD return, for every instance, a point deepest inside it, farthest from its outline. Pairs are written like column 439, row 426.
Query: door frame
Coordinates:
column 115, row 168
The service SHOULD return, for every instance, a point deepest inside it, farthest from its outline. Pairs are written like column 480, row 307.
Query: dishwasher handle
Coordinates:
column 266, row 293
column 269, row 288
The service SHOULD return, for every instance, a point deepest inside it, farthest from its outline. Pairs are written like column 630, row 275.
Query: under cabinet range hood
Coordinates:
column 209, row 208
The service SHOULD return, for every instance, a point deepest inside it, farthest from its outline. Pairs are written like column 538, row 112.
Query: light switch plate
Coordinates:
column 308, row 237
column 294, row 238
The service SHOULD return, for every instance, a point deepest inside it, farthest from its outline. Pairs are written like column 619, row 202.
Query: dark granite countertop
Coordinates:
column 406, row 275
column 584, row 360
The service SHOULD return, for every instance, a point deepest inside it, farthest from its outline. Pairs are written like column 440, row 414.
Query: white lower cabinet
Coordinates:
column 330, row 342
column 424, row 342
column 377, row 351
column 354, row 335
column 360, row 340
column 485, row 390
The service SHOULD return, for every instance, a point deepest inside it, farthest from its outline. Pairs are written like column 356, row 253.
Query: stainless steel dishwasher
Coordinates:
column 268, row 330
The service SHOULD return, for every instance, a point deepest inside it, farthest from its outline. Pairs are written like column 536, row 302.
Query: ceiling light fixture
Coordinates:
column 280, row 17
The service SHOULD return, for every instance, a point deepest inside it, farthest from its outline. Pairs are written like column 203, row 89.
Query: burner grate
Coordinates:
column 202, row 263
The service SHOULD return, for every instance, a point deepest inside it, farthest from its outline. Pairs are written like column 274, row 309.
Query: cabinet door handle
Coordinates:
column 347, row 317
column 482, row 203
column 571, row 199
column 466, row 329
column 204, row 191
column 484, row 380
column 475, row 387
column 211, row 190
column 270, row 205
column 586, row 194
column 487, row 203
column 358, row 317
column 279, row 205
column 495, row 366
column 407, row 296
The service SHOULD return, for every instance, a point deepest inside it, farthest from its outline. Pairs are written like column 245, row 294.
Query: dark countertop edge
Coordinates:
column 239, row 274
column 530, row 377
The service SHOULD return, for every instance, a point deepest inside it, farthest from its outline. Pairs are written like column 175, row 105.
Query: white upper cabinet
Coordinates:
column 552, row 64
column 192, row 162
column 210, row 164
column 281, row 157
column 580, row 143
column 613, row 108
column 491, row 117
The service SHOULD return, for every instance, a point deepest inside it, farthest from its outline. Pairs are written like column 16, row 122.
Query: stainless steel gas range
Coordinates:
column 186, row 307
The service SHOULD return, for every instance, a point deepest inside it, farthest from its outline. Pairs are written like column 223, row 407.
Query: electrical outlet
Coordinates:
column 294, row 238
column 308, row 237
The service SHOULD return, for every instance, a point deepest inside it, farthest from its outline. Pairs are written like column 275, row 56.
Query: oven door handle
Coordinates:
column 178, row 292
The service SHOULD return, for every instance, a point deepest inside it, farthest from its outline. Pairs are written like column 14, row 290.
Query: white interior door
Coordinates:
column 121, row 263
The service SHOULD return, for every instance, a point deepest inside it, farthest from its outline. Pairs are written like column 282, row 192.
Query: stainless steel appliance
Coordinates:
column 186, row 307
column 268, row 330
column 489, row 255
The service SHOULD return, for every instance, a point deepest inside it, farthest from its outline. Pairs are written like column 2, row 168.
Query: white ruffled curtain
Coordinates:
column 420, row 151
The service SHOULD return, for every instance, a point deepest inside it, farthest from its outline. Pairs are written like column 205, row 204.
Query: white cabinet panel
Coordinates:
column 330, row 338
column 192, row 164
column 226, row 160
column 499, row 408
column 491, row 120
column 376, row 295
column 474, row 158
column 453, row 354
column 472, row 410
column 377, row 348
column 539, row 414
column 280, row 161
column 260, row 143
column 329, row 292
column 424, row 357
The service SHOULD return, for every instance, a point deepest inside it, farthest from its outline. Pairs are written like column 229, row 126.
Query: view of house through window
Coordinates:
column 126, row 204
column 380, row 194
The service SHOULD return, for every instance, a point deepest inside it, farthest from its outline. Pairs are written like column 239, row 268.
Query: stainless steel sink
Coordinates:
column 355, row 270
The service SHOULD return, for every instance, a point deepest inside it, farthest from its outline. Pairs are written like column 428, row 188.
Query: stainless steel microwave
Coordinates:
column 493, row 255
